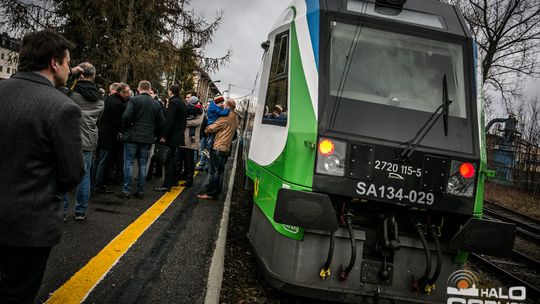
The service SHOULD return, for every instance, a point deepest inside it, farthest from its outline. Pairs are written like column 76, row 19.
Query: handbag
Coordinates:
column 161, row 152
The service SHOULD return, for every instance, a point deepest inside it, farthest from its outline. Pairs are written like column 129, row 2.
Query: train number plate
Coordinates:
column 401, row 170
column 395, row 194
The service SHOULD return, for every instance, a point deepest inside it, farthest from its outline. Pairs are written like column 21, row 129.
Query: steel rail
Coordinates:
column 532, row 290
column 520, row 256
column 513, row 213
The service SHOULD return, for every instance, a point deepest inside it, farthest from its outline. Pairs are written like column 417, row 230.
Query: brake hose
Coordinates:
column 420, row 282
column 430, row 286
column 345, row 273
column 325, row 271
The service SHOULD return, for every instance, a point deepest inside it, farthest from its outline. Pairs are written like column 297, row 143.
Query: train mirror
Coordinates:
column 266, row 45
column 305, row 209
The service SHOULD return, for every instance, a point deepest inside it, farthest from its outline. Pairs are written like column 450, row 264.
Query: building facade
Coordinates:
column 204, row 85
column 9, row 59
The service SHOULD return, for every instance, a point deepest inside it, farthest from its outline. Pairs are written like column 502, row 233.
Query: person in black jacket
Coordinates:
column 142, row 121
column 173, row 135
column 110, row 126
column 41, row 158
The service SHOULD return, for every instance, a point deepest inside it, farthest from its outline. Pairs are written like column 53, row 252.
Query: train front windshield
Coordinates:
column 386, row 85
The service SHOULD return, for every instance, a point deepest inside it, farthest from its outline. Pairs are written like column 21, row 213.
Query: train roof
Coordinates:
column 430, row 14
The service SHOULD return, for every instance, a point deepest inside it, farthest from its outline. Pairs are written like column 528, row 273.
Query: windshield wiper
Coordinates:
column 428, row 125
column 446, row 104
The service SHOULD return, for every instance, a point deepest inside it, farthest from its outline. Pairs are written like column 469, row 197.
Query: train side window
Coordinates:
column 276, row 95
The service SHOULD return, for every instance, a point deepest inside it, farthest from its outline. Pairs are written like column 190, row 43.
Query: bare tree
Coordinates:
column 508, row 36
column 197, row 33
column 19, row 16
column 532, row 122
column 527, row 112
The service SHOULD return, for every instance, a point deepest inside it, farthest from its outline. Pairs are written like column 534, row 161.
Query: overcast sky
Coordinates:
column 245, row 25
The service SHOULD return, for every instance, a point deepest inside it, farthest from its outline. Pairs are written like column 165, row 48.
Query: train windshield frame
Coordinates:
column 385, row 84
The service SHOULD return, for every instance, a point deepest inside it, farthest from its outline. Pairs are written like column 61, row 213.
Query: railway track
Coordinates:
column 520, row 269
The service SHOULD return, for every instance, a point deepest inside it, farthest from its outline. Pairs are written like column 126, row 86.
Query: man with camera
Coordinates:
column 90, row 100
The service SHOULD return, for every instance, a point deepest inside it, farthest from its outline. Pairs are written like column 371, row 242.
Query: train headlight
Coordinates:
column 326, row 147
column 461, row 179
column 466, row 170
column 331, row 157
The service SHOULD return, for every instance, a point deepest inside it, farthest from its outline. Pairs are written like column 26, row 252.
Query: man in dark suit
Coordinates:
column 173, row 135
column 41, row 158
column 110, row 126
column 142, row 121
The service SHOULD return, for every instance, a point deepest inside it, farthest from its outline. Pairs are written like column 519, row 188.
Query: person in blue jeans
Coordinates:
column 215, row 111
column 225, row 129
column 109, row 139
column 90, row 100
column 82, row 193
column 204, row 162
column 131, row 150
column 142, row 122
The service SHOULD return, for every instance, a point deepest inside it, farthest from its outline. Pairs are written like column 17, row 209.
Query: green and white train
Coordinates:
column 367, row 153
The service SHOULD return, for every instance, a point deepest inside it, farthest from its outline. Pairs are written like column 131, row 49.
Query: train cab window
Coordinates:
column 396, row 70
column 276, row 95
column 386, row 85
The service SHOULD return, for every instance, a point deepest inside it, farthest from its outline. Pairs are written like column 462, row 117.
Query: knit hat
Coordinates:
column 219, row 99
column 194, row 99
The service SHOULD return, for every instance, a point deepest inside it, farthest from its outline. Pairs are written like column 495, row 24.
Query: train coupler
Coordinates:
column 415, row 284
column 391, row 242
column 325, row 270
column 429, row 288
column 343, row 275
column 325, row 273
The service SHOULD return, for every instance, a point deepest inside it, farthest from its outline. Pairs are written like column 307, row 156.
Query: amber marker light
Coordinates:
column 326, row 147
column 466, row 170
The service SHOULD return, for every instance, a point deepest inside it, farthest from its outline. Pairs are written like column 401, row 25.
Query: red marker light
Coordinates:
column 466, row 170
column 326, row 147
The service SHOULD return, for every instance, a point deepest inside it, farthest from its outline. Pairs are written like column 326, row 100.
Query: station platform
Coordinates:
column 156, row 249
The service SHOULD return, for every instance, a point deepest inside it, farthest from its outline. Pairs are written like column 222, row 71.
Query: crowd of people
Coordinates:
column 55, row 138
